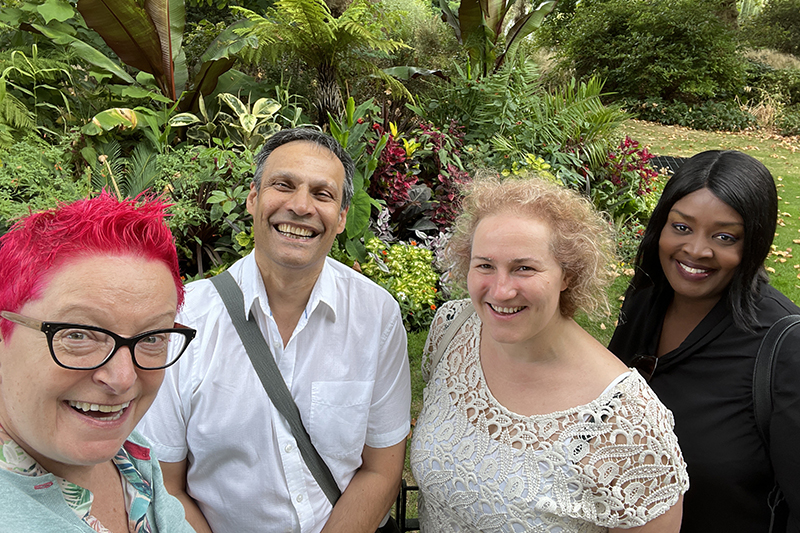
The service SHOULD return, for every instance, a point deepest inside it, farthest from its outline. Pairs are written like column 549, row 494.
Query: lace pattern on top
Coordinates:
column 614, row 462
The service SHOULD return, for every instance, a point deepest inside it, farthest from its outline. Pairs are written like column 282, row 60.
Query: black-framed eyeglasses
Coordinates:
column 646, row 365
column 81, row 347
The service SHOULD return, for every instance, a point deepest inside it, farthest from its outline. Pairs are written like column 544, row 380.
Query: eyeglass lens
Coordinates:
column 85, row 348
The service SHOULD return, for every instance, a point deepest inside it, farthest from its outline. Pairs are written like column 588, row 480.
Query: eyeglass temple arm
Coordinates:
column 21, row 320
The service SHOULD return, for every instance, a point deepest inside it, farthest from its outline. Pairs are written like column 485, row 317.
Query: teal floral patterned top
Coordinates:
column 138, row 492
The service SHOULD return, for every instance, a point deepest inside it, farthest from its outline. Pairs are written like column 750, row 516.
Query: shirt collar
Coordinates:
column 255, row 294
column 138, row 491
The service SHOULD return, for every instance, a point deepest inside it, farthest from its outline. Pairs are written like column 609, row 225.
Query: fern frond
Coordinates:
column 15, row 114
column 101, row 175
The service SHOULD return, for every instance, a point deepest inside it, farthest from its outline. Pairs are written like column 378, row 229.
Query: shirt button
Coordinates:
column 299, row 498
column 288, row 448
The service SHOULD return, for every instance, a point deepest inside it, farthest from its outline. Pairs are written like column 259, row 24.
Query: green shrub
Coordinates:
column 35, row 175
column 628, row 236
column 209, row 220
column 781, row 83
column 713, row 116
column 406, row 271
column 789, row 121
column 418, row 24
column 777, row 26
column 671, row 49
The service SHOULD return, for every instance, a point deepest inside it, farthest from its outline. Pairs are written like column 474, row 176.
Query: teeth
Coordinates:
column 87, row 407
column 691, row 270
column 288, row 229
column 506, row 310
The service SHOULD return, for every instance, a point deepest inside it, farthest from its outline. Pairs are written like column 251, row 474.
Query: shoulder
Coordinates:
column 632, row 323
column 352, row 284
column 773, row 305
column 203, row 304
column 636, row 394
column 447, row 313
column 635, row 415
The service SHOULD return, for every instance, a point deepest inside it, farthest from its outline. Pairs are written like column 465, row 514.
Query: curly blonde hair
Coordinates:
column 581, row 241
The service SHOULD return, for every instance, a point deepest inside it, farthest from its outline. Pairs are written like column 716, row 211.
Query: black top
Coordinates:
column 707, row 382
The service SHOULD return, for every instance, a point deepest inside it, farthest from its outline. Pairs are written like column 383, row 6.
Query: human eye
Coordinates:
column 281, row 185
column 153, row 344
column 727, row 238
column 79, row 342
column 680, row 227
column 155, row 340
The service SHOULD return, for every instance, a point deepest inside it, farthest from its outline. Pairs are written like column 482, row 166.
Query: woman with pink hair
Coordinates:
column 88, row 297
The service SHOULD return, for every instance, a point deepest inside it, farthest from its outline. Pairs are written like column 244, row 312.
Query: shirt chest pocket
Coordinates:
column 339, row 416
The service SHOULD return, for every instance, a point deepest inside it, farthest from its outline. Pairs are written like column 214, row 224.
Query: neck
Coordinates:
column 288, row 292
column 691, row 309
column 549, row 346
column 81, row 475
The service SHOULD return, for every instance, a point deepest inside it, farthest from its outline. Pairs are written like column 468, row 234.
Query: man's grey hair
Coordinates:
column 314, row 136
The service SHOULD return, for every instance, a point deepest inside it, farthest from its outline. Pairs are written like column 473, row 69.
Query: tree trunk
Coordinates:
column 329, row 95
column 338, row 7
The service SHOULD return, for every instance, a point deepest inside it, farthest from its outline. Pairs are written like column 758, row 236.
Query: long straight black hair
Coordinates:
column 746, row 185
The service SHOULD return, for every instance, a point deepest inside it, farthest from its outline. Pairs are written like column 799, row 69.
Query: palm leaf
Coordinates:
column 143, row 170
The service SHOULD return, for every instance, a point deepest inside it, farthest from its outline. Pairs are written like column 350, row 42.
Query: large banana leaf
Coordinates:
column 524, row 27
column 87, row 52
column 146, row 35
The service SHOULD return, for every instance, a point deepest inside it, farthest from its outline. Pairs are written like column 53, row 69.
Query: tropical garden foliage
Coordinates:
column 175, row 98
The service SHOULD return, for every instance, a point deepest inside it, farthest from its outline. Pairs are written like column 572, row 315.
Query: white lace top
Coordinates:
column 614, row 462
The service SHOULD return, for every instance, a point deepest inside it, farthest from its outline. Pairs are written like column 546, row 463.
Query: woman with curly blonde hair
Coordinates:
column 529, row 423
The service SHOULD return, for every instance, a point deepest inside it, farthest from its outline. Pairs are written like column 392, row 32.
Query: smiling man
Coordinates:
column 338, row 341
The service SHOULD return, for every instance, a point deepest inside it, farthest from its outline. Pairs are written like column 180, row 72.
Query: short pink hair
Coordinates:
column 42, row 242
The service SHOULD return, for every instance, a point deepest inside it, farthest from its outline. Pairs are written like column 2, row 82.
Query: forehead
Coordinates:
column 510, row 234
column 304, row 160
column 706, row 206
column 111, row 281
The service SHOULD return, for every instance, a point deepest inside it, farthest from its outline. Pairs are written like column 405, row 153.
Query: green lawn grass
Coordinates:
column 779, row 154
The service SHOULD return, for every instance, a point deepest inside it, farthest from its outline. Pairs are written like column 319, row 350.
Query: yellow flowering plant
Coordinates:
column 406, row 271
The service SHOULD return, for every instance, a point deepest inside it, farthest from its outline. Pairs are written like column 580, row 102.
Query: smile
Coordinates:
column 691, row 270
column 103, row 412
column 294, row 232
column 506, row 310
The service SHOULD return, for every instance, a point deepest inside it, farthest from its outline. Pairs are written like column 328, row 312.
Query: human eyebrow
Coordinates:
column 717, row 223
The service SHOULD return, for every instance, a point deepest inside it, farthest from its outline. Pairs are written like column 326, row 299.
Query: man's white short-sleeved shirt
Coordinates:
column 346, row 366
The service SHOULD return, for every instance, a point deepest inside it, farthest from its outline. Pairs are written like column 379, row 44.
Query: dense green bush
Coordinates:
column 208, row 187
column 777, row 26
column 714, row 116
column 406, row 271
column 789, row 121
column 671, row 49
column 782, row 84
column 34, row 175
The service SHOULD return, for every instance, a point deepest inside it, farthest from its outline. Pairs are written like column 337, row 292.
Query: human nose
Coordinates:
column 300, row 202
column 698, row 246
column 118, row 373
column 503, row 287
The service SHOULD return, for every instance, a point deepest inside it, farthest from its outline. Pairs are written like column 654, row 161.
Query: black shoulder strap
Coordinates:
column 264, row 364
column 764, row 368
